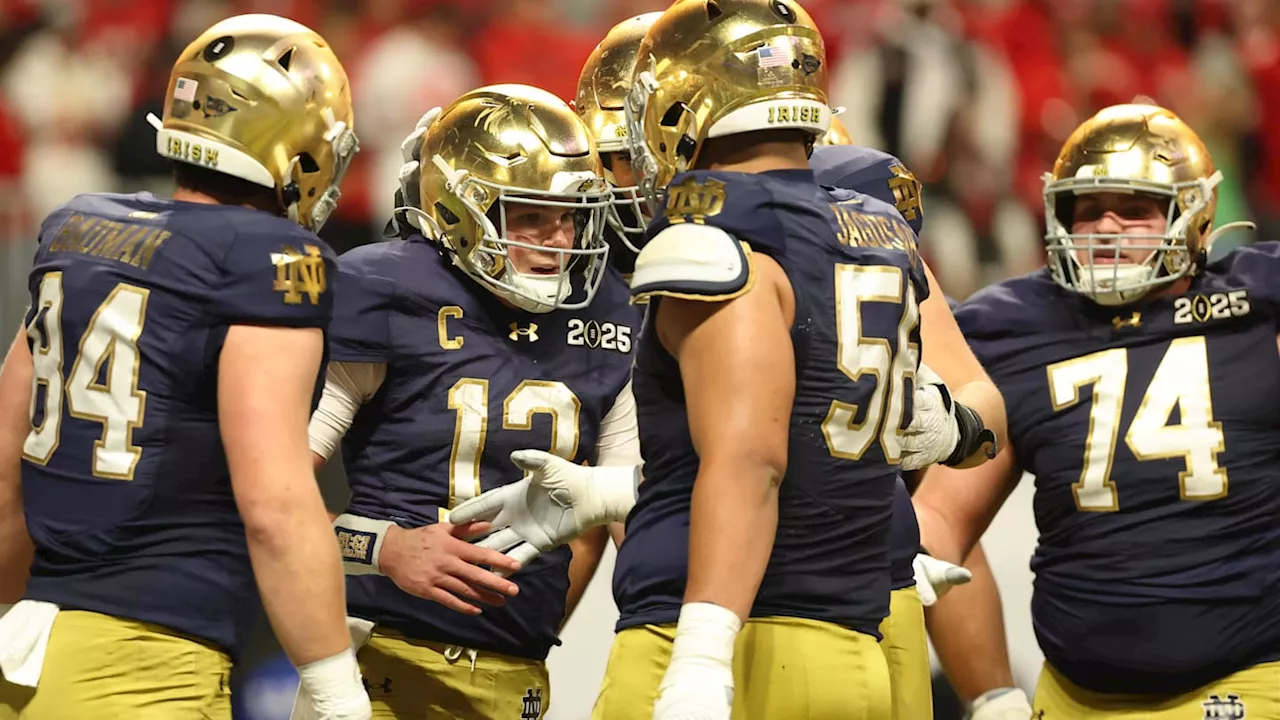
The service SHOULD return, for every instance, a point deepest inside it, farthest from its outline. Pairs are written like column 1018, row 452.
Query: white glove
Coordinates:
column 1001, row 704
column 699, row 680
column 934, row 431
column 334, row 688
column 410, row 151
column 554, row 503
column 935, row 577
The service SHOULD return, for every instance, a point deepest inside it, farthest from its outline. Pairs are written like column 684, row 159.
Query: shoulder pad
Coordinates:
column 1016, row 308
column 362, row 316
column 693, row 261
column 871, row 172
column 740, row 204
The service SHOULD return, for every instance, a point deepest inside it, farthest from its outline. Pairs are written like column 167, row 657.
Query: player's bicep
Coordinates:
column 944, row 346
column 347, row 387
column 738, row 369
column 266, row 378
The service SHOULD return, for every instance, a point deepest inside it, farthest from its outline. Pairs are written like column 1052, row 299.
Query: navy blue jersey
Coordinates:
column 884, row 177
column 468, row 381
column 1151, row 432
column 857, row 278
column 904, row 539
column 126, row 488
column 871, row 172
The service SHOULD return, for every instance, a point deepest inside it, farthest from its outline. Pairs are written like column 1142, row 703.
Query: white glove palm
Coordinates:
column 935, row 577
column 554, row 503
column 934, row 431
column 1011, row 704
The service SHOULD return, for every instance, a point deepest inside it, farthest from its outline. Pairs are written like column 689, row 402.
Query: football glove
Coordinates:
column 554, row 503
column 403, row 223
column 1001, row 704
column 935, row 577
column 334, row 689
column 941, row 430
column 698, row 684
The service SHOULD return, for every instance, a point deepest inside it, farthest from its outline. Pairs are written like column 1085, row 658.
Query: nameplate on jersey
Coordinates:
column 299, row 274
column 356, row 545
column 601, row 335
column 1212, row 306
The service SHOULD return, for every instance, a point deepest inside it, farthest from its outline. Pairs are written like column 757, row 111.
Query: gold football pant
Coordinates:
column 1250, row 693
column 100, row 667
column 906, row 650
column 782, row 668
column 416, row 680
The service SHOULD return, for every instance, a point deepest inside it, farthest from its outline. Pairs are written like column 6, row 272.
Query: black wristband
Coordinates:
column 973, row 435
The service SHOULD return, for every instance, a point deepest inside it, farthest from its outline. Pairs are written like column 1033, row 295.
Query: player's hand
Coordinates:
column 555, row 502
column 941, row 430
column 436, row 562
column 1004, row 704
column 698, row 684
column 935, row 577
column 410, row 171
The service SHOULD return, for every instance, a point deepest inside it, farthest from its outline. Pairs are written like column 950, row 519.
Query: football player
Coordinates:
column 158, row 397
column 498, row 326
column 968, row 630
column 1142, row 391
column 740, row 358
column 602, row 90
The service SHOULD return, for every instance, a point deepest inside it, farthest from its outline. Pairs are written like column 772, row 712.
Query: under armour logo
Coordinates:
column 530, row 332
column 384, row 686
column 1132, row 321
column 1218, row 708
column 531, row 704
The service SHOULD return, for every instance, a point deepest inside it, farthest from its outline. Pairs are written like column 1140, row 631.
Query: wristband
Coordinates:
column 360, row 540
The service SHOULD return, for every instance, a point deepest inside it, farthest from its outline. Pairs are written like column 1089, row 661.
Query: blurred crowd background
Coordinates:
column 975, row 95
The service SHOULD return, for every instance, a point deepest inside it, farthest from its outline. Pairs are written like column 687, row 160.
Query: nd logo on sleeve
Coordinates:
column 298, row 274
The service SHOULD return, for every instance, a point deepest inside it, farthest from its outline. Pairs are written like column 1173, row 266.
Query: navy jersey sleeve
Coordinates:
column 1255, row 268
column 871, row 172
column 271, row 277
column 362, row 314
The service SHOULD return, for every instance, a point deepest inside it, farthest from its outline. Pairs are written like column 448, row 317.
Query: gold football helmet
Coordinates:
column 602, row 93
column 710, row 68
column 837, row 134
column 514, row 145
column 264, row 99
column 1131, row 148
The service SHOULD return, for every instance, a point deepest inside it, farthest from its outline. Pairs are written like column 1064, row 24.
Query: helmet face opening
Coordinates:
column 1134, row 151
column 512, row 188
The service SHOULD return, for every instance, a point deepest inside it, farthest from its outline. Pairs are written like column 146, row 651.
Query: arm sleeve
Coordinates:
column 347, row 387
column 619, row 441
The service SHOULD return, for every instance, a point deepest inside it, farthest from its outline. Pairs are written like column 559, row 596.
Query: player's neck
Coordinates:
column 756, row 157
column 195, row 196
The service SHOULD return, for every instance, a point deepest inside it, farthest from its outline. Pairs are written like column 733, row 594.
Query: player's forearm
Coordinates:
column 939, row 535
column 967, row 629
column 587, row 549
column 299, row 574
column 984, row 398
column 732, row 524
column 15, row 398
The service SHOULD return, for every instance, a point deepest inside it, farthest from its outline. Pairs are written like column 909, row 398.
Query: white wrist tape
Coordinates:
column 705, row 635
column 360, row 539
column 333, row 682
